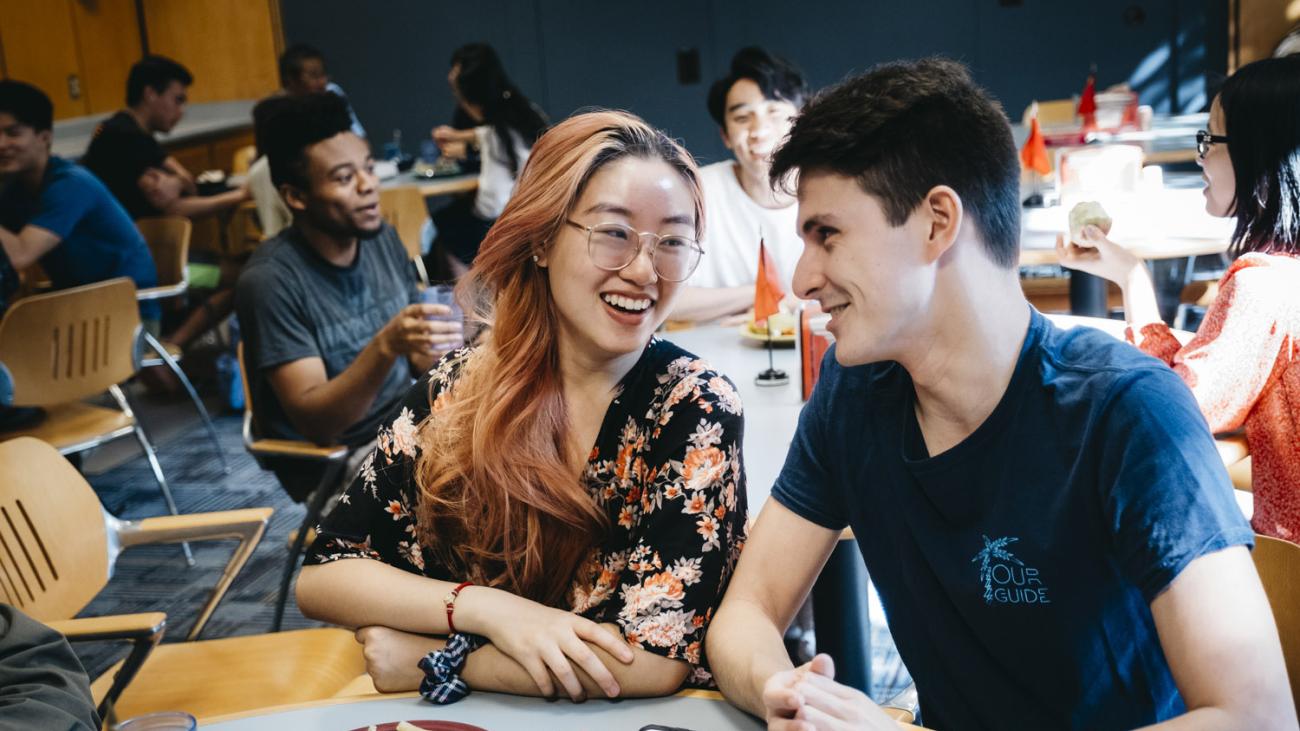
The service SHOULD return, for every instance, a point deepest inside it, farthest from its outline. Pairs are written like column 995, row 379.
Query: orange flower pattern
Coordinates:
column 666, row 469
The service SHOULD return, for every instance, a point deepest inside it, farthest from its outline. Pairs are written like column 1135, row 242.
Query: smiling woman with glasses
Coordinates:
column 568, row 496
column 1242, row 365
column 613, row 246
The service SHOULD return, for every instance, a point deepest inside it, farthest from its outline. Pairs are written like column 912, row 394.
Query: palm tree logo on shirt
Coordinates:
column 994, row 550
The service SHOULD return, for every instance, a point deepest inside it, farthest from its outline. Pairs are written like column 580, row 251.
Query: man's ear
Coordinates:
column 46, row 136
column 294, row 197
column 943, row 212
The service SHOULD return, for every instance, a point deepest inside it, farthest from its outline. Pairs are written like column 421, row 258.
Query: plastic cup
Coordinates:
column 442, row 294
column 160, row 721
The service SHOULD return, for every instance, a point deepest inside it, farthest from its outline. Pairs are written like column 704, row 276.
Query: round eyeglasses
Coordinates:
column 613, row 246
column 1204, row 139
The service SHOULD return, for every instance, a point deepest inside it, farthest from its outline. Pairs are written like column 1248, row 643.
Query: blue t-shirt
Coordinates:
column 97, row 240
column 1016, row 569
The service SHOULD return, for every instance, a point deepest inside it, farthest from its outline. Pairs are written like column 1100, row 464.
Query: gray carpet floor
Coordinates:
column 156, row 578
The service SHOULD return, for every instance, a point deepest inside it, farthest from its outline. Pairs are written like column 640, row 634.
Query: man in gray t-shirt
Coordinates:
column 294, row 305
column 328, row 309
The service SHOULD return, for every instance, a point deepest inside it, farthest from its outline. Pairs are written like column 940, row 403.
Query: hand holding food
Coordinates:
column 1088, row 213
column 1089, row 250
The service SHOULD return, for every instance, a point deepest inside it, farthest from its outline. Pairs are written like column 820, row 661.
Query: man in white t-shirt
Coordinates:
column 754, row 105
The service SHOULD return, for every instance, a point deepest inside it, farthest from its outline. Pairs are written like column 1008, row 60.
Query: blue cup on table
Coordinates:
column 442, row 294
column 160, row 721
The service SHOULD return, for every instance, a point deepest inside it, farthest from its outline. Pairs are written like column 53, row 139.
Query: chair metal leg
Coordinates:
column 162, row 484
column 324, row 491
column 175, row 368
column 149, row 454
column 841, row 620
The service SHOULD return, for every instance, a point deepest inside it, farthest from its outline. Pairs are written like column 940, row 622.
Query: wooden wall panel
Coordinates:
column 1256, row 27
column 229, row 45
column 40, row 48
column 108, row 36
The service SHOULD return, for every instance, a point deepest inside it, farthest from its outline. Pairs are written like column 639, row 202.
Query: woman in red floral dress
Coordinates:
column 1243, row 364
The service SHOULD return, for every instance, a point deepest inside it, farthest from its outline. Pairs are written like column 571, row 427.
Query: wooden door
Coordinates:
column 108, row 37
column 40, row 47
column 231, row 46
column 1255, row 27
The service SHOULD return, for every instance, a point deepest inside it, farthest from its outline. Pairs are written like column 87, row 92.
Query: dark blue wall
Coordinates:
column 391, row 55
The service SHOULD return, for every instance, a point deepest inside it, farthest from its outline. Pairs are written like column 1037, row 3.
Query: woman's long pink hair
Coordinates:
column 500, row 496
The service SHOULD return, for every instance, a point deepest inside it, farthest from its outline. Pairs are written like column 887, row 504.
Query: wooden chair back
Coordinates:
column 53, row 543
column 242, row 160
column 1278, row 563
column 243, row 233
column 403, row 208
column 71, row 344
column 168, row 238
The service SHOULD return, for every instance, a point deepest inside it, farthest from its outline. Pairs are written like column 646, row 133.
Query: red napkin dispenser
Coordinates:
column 813, row 344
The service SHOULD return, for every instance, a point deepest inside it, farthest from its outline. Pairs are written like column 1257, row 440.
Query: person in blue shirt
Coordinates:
column 1043, row 511
column 57, row 213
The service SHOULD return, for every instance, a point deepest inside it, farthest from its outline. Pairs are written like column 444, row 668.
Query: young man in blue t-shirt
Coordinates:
column 55, row 212
column 1043, row 511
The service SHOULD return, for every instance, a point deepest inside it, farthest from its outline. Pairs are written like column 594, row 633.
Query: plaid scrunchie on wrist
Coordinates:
column 442, row 683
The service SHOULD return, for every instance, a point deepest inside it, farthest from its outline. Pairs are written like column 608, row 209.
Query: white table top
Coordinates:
column 432, row 186
column 1169, row 224
column 72, row 136
column 492, row 711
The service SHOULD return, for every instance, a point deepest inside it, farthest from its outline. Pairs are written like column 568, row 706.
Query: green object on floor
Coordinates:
column 203, row 276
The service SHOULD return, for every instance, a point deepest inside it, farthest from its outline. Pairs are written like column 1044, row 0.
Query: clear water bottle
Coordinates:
column 232, row 387
column 230, row 384
column 429, row 151
column 393, row 150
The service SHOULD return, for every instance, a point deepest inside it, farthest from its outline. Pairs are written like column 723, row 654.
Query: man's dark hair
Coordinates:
column 903, row 128
column 263, row 112
column 776, row 77
column 293, row 125
column 154, row 72
column 1261, row 116
column 27, row 104
column 293, row 59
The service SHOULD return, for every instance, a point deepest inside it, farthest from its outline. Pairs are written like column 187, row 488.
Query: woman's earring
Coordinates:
column 534, row 258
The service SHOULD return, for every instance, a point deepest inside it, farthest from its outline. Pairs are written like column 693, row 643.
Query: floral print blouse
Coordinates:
column 666, row 468
column 1243, row 365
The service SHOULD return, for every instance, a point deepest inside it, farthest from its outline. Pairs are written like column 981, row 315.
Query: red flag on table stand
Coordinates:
column 1033, row 156
column 767, row 302
column 1088, row 105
